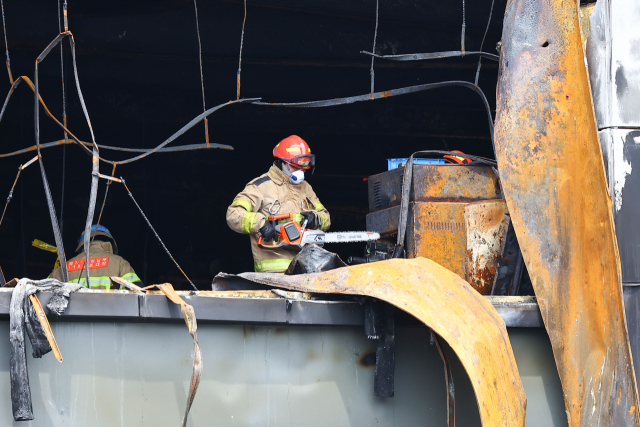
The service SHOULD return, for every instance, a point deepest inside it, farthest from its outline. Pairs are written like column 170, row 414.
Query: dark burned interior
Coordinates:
column 139, row 72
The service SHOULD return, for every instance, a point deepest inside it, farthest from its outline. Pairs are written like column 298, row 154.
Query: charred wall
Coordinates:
column 139, row 72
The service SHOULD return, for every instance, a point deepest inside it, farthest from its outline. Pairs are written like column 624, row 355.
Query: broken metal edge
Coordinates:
column 232, row 307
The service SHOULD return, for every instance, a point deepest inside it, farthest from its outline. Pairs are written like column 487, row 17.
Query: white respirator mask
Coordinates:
column 296, row 177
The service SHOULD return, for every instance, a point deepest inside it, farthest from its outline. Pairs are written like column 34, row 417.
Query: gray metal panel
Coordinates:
column 625, row 63
column 107, row 306
column 606, row 144
column 384, row 221
column 614, row 62
column 138, row 374
column 632, row 310
column 5, row 302
column 216, row 309
column 614, row 71
column 520, row 315
column 621, row 152
column 626, row 150
column 93, row 305
column 599, row 64
column 326, row 313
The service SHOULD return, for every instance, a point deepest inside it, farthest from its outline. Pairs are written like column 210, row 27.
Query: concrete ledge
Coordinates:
column 325, row 313
column 210, row 307
column 85, row 305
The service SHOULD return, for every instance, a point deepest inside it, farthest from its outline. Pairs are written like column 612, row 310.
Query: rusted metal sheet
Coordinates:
column 438, row 233
column 450, row 307
column 435, row 230
column 434, row 183
column 486, row 224
column 554, row 182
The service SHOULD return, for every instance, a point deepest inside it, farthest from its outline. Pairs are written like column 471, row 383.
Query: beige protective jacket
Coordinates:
column 102, row 265
column 250, row 208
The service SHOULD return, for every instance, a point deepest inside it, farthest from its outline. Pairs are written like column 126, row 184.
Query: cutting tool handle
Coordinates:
column 262, row 245
column 281, row 216
column 289, row 234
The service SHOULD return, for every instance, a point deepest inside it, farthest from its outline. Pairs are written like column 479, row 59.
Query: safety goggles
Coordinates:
column 304, row 161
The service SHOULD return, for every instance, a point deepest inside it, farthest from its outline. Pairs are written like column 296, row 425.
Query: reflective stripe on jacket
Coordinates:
column 250, row 208
column 102, row 265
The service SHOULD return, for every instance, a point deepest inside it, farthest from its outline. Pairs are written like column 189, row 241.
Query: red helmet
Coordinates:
column 295, row 151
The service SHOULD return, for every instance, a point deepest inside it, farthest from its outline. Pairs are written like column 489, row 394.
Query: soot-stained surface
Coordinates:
column 139, row 73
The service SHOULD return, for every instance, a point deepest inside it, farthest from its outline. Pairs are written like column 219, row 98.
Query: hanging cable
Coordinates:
column 6, row 45
column 373, row 50
column 486, row 30
column 387, row 94
column 146, row 152
column 11, row 193
column 204, row 103
column 106, row 191
column 64, row 122
column 240, row 56
column 52, row 211
column 104, row 201
column 20, row 169
column 432, row 55
column 157, row 236
column 464, row 26
column 66, row 22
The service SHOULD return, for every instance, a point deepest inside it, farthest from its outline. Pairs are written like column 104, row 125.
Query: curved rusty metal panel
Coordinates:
column 554, row 183
column 450, row 307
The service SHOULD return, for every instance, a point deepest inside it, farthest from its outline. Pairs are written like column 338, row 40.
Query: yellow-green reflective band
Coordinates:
column 246, row 205
column 132, row 277
column 271, row 265
column 95, row 282
column 296, row 217
column 323, row 221
column 247, row 222
column 318, row 206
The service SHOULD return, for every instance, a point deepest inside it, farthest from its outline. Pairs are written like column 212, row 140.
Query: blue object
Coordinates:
column 395, row 163
column 96, row 227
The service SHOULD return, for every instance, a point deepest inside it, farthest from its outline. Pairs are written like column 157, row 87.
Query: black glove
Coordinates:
column 312, row 220
column 268, row 231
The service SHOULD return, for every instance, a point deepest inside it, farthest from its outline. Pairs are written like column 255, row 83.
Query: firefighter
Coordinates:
column 282, row 190
column 104, row 262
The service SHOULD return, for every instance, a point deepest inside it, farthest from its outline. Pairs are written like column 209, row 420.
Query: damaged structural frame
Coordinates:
column 95, row 151
column 564, row 258
column 96, row 175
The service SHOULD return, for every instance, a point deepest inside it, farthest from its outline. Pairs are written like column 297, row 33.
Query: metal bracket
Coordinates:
column 379, row 323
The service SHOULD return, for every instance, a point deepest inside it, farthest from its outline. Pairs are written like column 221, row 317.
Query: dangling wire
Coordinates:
column 240, row 57
column 64, row 121
column 482, row 43
column 154, row 232
column 464, row 26
column 106, row 191
column 104, row 202
column 6, row 45
column 66, row 22
column 204, row 103
column 20, row 169
column 375, row 35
